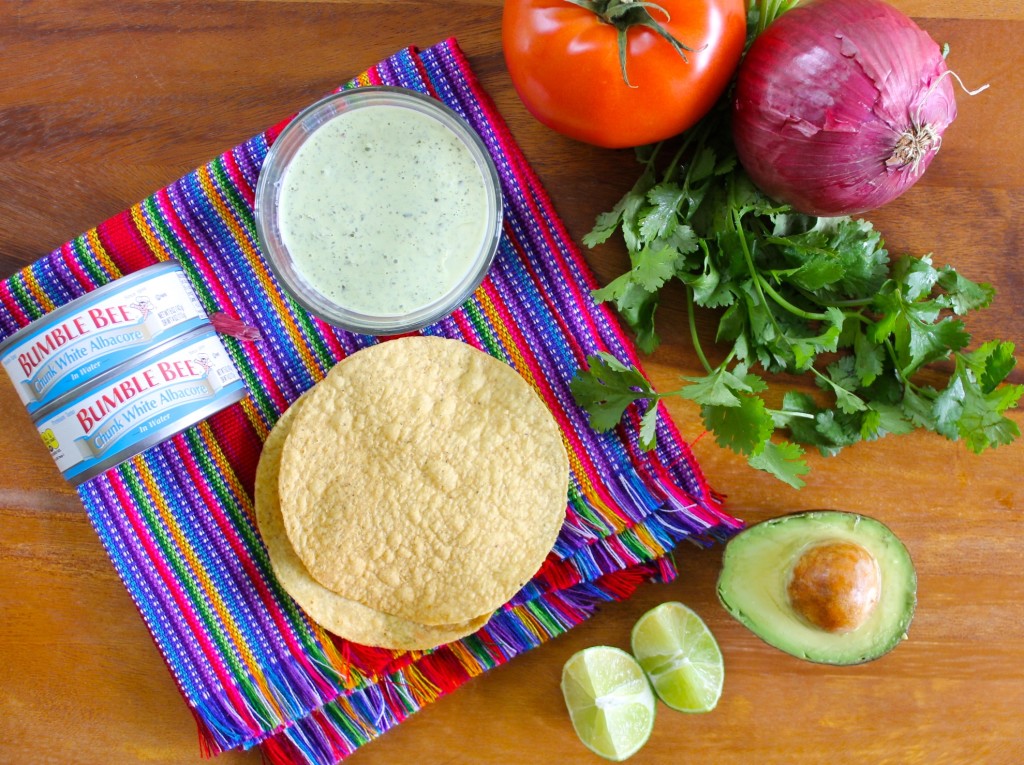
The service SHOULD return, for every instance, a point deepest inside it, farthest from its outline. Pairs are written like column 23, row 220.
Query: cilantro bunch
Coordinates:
column 799, row 295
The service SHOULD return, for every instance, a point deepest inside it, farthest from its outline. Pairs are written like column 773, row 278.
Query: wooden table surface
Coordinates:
column 102, row 103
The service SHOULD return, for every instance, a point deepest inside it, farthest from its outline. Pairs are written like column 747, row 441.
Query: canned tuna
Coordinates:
column 139, row 404
column 95, row 333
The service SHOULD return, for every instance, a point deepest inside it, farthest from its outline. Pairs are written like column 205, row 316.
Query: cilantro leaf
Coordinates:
column 842, row 382
column 653, row 267
column 919, row 332
column 926, row 343
column 649, row 427
column 973, row 406
column 961, row 294
column 711, row 287
column 755, row 383
column 683, row 239
column 607, row 223
column 798, row 416
column 662, row 216
column 836, row 429
column 720, row 388
column 630, row 207
column 869, row 358
column 784, row 460
column 982, row 424
column 948, row 408
column 843, row 372
column 637, row 307
column 607, row 388
column 916, row 276
column 848, row 256
column 745, row 427
column 919, row 407
column 816, row 272
column 656, row 267
column 882, row 419
column 805, row 349
column 703, row 165
column 623, row 214
column 991, row 363
column 616, row 290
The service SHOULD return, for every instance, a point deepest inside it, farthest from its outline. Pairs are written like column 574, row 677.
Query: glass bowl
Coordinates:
column 394, row 224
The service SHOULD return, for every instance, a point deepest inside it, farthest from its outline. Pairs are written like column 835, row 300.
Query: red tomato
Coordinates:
column 564, row 63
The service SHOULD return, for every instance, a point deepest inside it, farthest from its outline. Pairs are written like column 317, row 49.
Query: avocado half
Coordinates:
column 758, row 570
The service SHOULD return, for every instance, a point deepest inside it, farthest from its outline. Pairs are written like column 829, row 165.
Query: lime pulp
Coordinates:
column 609, row 700
column 680, row 656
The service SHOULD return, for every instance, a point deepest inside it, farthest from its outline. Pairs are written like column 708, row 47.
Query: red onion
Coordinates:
column 841, row 106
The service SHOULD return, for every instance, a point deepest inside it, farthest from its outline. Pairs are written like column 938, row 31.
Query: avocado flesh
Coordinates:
column 755, row 575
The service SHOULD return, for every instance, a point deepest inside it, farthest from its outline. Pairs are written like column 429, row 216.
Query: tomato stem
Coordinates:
column 625, row 14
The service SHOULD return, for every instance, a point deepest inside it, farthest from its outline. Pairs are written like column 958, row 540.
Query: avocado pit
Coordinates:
column 835, row 585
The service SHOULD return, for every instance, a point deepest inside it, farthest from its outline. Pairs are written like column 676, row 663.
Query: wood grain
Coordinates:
column 102, row 103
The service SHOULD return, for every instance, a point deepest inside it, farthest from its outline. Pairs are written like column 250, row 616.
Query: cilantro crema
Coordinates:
column 799, row 295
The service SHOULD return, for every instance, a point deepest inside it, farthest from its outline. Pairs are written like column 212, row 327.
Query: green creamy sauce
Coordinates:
column 383, row 210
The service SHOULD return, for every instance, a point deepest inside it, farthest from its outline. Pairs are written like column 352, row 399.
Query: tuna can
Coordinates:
column 139, row 404
column 95, row 333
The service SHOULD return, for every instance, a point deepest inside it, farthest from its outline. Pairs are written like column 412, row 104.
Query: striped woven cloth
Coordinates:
column 177, row 520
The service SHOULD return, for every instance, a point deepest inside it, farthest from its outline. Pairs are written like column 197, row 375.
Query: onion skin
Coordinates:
column 840, row 106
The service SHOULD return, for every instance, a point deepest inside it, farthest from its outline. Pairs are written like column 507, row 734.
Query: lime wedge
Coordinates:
column 680, row 656
column 609, row 700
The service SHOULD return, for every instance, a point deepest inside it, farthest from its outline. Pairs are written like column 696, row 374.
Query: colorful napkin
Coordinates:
column 177, row 520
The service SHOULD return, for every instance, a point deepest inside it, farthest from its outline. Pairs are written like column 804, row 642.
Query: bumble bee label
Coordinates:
column 95, row 333
column 139, row 405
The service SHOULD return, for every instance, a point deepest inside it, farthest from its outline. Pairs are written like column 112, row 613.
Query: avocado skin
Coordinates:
column 756, row 566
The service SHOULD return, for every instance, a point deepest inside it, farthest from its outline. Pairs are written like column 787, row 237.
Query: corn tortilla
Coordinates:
column 352, row 621
column 425, row 479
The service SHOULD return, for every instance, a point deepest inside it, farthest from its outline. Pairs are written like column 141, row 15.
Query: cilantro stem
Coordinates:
column 900, row 371
column 858, row 316
column 896, row 361
column 786, row 304
column 737, row 219
column 693, row 331
column 787, row 413
column 649, row 164
column 677, row 158
column 828, row 381
column 769, row 10
column 851, row 303
column 699, row 135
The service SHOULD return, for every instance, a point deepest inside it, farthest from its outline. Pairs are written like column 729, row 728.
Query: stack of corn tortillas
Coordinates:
column 411, row 493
